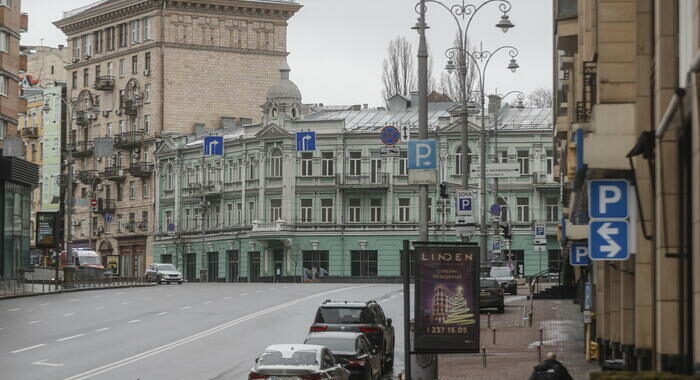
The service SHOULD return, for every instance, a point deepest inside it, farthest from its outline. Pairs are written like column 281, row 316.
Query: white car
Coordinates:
column 163, row 273
column 297, row 362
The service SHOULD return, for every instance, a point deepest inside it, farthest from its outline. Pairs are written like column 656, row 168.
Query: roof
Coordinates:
column 524, row 118
column 290, row 348
column 334, row 334
column 344, row 304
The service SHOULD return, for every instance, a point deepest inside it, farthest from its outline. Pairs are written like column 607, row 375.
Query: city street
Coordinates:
column 193, row 331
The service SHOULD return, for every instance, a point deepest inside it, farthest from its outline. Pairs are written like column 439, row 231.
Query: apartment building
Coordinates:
column 141, row 68
column 46, row 65
column 626, row 108
column 12, row 23
column 265, row 211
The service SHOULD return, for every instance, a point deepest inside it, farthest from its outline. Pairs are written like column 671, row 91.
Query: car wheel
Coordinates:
column 502, row 309
column 179, row 282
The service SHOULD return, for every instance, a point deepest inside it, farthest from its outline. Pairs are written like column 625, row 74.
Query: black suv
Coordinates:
column 365, row 317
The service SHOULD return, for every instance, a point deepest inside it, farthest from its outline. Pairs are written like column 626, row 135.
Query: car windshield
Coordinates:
column 334, row 344
column 166, row 267
column 88, row 260
column 488, row 283
column 501, row 272
column 344, row 315
column 298, row 358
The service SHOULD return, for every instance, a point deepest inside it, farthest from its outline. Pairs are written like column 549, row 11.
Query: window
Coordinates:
column 110, row 37
column 3, row 85
column 132, row 190
column 327, row 164
column 86, row 77
column 307, row 164
column 524, row 161
column 504, row 209
column 119, row 191
column 276, row 163
column 306, row 210
column 6, row 3
column 363, row 263
column 355, row 163
column 170, row 181
column 109, row 129
column 252, row 215
column 135, row 31
column 147, row 61
column 187, row 219
column 458, row 161
column 550, row 162
column 87, row 41
column 97, row 38
column 552, row 205
column 239, row 213
column 315, row 264
column 147, row 28
column 147, row 93
column 122, row 68
column 252, row 169
column 122, row 126
column 239, row 170
column 327, row 210
column 4, row 41
column 98, row 71
column 144, row 220
column 354, row 210
column 403, row 161
column 145, row 188
column 74, row 82
column 275, row 210
column 135, row 64
column 503, row 156
column 375, row 210
column 404, row 209
column 123, row 31
column 523, row 204
column 430, row 209
column 147, row 124
column 76, row 48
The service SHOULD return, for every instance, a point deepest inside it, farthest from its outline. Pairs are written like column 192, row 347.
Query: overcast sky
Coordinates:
column 337, row 46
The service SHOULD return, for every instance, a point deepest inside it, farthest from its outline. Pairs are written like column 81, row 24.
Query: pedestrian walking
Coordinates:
column 550, row 369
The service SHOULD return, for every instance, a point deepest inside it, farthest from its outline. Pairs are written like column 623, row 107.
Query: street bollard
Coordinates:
column 541, row 337
column 488, row 318
column 539, row 354
column 483, row 356
column 494, row 337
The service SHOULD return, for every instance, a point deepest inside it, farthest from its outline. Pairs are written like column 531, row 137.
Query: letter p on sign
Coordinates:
column 422, row 155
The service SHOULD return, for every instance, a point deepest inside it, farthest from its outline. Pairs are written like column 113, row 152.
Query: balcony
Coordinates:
column 29, row 132
column 104, row 83
column 212, row 188
column 83, row 148
column 114, row 173
column 313, row 181
column 376, row 181
column 82, row 118
column 127, row 140
column 106, row 206
column 141, row 170
column 192, row 190
column 88, row 177
column 130, row 107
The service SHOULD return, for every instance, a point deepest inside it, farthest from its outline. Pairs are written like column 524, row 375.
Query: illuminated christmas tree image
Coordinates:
column 451, row 309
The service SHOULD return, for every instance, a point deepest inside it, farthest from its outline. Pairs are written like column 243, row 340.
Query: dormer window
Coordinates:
column 274, row 113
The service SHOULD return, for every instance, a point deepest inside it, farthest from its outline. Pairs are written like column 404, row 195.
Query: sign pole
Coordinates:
column 406, row 262
column 423, row 114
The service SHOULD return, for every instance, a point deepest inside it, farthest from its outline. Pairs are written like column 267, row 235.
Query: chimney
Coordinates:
column 365, row 106
column 414, row 99
column 60, row 47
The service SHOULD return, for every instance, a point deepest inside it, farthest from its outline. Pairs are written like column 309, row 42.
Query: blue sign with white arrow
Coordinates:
column 306, row 141
column 578, row 255
column 422, row 155
column 608, row 199
column 213, row 145
column 609, row 240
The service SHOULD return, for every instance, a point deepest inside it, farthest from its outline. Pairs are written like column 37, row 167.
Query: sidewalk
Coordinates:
column 515, row 351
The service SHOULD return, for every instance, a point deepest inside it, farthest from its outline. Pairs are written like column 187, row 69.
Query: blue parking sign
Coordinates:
column 608, row 199
column 422, row 155
column 578, row 255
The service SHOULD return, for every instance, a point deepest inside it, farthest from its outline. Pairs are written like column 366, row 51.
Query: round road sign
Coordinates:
column 390, row 135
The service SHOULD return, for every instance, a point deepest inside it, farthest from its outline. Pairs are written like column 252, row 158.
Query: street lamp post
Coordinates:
column 497, row 98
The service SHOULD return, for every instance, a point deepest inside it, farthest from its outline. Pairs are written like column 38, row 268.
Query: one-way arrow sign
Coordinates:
column 405, row 133
column 609, row 240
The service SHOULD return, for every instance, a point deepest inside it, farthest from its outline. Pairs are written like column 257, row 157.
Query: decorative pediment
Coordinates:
column 273, row 131
column 166, row 147
column 456, row 127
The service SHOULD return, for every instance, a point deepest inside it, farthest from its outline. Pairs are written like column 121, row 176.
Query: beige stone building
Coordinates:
column 46, row 65
column 141, row 68
column 627, row 108
column 12, row 23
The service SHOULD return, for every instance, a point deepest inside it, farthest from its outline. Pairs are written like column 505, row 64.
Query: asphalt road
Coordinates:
column 189, row 332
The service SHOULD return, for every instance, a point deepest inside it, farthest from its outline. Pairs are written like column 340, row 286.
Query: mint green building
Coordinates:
column 264, row 211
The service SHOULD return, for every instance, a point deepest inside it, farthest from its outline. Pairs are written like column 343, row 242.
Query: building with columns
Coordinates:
column 141, row 69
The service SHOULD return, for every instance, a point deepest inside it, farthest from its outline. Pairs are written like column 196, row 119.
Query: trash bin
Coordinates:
column 613, row 365
column 423, row 366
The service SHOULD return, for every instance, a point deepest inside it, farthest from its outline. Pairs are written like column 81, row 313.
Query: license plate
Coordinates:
column 284, row 378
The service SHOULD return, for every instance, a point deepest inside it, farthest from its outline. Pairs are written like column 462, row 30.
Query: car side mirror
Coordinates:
column 343, row 361
column 388, row 321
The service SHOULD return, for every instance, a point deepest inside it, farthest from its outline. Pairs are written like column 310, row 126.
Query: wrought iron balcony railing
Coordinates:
column 128, row 139
column 104, row 83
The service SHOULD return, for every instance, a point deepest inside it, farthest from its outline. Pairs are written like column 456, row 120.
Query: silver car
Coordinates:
column 297, row 362
column 163, row 273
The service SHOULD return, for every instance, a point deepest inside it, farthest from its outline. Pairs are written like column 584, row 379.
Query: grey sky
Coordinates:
column 337, row 46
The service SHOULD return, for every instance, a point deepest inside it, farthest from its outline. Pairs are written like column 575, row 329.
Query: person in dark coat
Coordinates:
column 550, row 369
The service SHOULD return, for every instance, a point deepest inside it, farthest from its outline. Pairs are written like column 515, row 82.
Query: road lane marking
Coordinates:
column 126, row 302
column 45, row 304
column 68, row 315
column 14, row 309
column 28, row 348
column 33, row 322
column 99, row 308
column 73, row 300
column 69, row 338
column 162, row 313
column 258, row 291
column 244, row 294
column 206, row 302
column 185, row 307
column 120, row 293
column 166, row 347
column 227, row 298
column 134, row 321
column 99, row 296
column 44, row 362
column 102, row 329
column 168, row 295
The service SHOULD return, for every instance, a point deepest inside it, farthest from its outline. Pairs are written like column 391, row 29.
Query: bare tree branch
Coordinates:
column 451, row 84
column 398, row 74
column 539, row 98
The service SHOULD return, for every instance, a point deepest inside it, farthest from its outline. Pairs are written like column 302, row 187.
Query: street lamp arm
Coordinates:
column 467, row 12
column 481, row 55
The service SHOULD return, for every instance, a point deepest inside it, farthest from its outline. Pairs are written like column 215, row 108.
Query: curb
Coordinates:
column 73, row 290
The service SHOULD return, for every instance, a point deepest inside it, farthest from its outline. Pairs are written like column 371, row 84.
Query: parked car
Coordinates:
column 161, row 273
column 297, row 361
column 353, row 350
column 491, row 295
column 505, row 278
column 365, row 317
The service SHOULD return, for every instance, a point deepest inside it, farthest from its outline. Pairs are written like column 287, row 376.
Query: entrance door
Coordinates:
column 278, row 257
column 190, row 267
column 254, row 266
column 233, row 272
column 376, row 170
column 213, row 267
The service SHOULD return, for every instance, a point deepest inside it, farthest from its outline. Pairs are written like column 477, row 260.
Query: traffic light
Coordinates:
column 507, row 232
column 443, row 190
column 594, row 350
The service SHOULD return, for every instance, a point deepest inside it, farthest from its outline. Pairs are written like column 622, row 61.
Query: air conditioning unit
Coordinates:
column 92, row 116
column 100, row 230
column 118, row 112
column 99, row 187
column 120, row 173
column 122, row 226
column 146, row 72
column 76, row 223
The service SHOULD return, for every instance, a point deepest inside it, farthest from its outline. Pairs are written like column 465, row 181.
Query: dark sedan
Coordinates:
column 491, row 295
column 353, row 350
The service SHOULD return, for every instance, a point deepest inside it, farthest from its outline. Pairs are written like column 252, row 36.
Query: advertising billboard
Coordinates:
column 46, row 229
column 447, row 299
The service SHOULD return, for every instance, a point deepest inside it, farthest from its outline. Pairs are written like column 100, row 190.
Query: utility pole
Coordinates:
column 422, row 114
column 483, row 229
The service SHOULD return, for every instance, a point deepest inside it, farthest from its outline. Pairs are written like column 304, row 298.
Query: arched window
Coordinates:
column 276, row 163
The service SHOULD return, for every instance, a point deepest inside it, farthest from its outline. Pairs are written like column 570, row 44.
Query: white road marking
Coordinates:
column 134, row 321
column 120, row 293
column 258, row 291
column 206, row 302
column 68, row 315
column 146, row 354
column 102, row 329
column 73, row 300
column 168, row 295
column 285, row 287
column 27, row 348
column 227, row 298
column 162, row 313
column 185, row 307
column 69, row 337
column 45, row 304
column 44, row 362
column 14, row 309
column 99, row 308
column 33, row 322
column 126, row 302
column 99, row 296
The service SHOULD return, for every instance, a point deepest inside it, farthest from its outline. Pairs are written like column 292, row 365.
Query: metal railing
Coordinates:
column 104, row 83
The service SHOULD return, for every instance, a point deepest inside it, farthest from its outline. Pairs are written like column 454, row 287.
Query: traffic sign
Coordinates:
column 496, row 246
column 495, row 209
column 608, row 199
column 213, row 145
column 306, row 141
column 422, row 155
column 578, row 255
column 390, row 135
column 540, row 231
column 609, row 240
column 465, row 203
column 499, row 170
column 93, row 205
column 405, row 133
column 108, row 218
column 390, row 151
